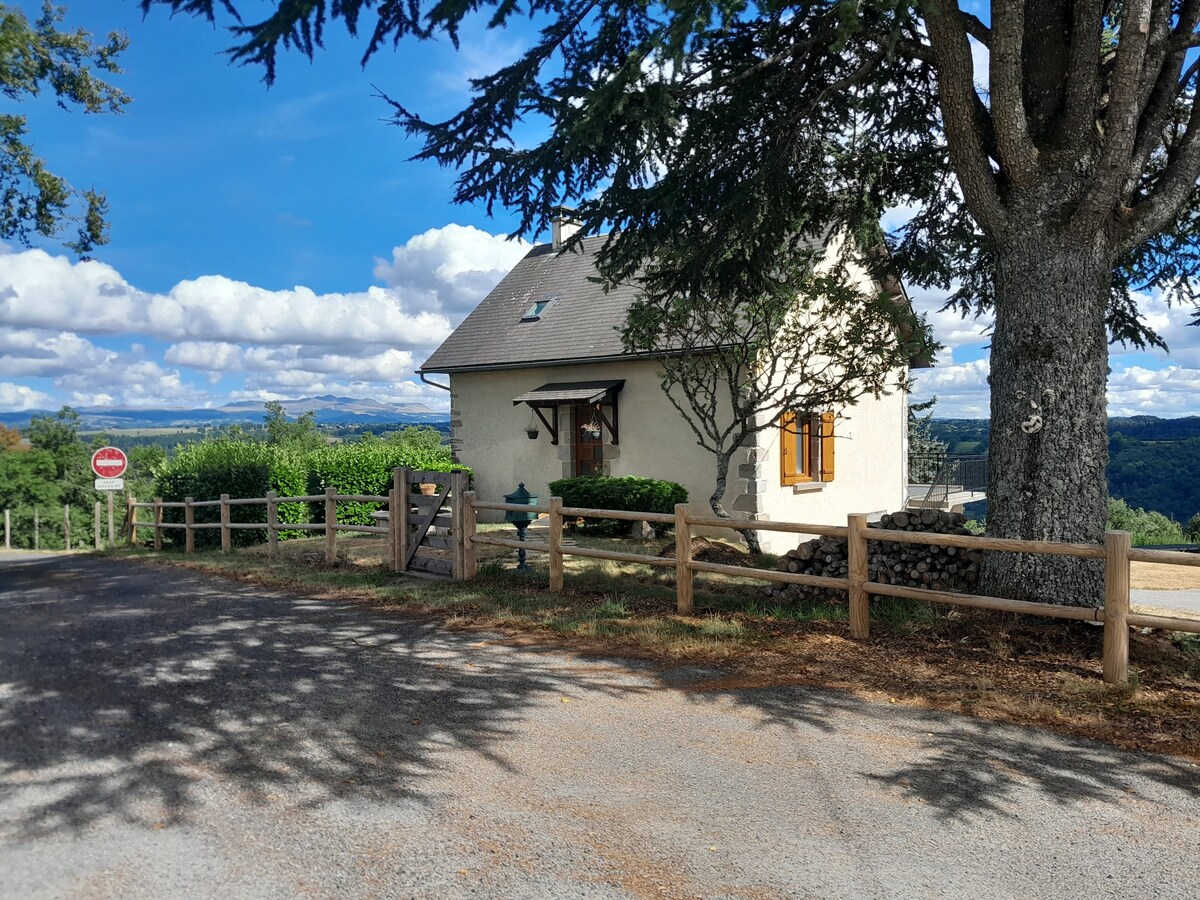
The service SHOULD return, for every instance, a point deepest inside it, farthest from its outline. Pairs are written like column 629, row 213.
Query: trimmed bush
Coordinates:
column 626, row 492
column 206, row 470
column 366, row 467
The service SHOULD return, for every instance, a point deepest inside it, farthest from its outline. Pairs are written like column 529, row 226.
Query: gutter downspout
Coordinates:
column 444, row 387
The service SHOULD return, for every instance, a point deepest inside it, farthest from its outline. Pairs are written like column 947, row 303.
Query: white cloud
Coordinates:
column 449, row 269
column 383, row 364
column 1172, row 391
column 962, row 389
column 19, row 396
column 43, row 354
column 278, row 342
column 431, row 282
column 949, row 327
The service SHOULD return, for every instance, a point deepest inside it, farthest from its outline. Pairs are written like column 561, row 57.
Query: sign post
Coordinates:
column 109, row 464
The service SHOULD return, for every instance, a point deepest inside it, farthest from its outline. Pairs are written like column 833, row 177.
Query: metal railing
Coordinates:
column 947, row 476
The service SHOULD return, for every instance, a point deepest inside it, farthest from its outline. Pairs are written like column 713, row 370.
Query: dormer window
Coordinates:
column 537, row 309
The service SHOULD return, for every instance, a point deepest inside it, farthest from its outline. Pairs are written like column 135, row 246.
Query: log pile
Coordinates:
column 913, row 565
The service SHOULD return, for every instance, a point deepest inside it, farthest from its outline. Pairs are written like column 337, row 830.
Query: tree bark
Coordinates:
column 1049, row 446
column 753, row 544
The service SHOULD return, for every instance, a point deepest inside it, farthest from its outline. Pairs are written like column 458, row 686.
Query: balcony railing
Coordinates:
column 940, row 480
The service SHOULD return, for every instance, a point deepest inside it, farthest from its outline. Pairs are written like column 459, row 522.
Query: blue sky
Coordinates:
column 278, row 243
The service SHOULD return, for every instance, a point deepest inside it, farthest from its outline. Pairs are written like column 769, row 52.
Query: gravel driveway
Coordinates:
column 164, row 734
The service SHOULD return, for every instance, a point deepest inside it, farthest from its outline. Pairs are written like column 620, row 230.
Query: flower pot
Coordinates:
column 429, row 490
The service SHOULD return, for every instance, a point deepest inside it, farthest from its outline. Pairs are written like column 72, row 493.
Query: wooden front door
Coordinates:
column 589, row 440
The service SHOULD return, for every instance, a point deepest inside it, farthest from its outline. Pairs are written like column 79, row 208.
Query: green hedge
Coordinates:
column 626, row 492
column 206, row 470
column 366, row 468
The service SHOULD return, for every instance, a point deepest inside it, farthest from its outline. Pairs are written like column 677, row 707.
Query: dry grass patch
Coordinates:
column 1157, row 577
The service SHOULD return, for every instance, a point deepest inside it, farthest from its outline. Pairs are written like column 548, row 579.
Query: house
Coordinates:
column 542, row 388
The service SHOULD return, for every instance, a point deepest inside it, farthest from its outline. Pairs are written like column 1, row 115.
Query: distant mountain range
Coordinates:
column 328, row 410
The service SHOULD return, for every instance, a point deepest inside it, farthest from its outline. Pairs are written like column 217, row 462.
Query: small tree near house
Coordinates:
column 736, row 359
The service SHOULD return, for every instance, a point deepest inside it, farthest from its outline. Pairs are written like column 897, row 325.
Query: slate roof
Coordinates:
column 582, row 323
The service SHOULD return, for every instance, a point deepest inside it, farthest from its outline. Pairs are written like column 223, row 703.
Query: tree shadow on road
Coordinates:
column 961, row 768
column 982, row 769
column 121, row 704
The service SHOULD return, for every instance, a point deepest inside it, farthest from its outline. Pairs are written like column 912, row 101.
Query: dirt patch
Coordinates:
column 717, row 552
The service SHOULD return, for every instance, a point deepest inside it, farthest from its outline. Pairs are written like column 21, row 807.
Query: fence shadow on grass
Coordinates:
column 117, row 705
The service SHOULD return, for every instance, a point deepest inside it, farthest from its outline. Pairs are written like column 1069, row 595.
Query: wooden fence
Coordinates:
column 405, row 532
column 65, row 527
column 1117, row 553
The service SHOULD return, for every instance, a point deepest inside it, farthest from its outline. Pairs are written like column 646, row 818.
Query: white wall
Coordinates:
column 870, row 471
column 656, row 442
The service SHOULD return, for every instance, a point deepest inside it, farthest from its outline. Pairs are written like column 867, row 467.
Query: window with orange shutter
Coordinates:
column 806, row 443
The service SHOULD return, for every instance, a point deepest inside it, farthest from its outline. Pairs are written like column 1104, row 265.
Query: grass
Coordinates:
column 995, row 666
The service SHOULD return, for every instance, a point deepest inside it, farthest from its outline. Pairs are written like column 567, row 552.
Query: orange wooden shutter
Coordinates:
column 787, row 448
column 826, row 446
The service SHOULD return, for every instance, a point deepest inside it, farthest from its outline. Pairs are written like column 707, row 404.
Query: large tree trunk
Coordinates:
column 1048, row 447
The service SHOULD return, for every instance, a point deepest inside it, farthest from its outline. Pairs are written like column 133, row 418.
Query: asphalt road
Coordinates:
column 165, row 735
column 1185, row 601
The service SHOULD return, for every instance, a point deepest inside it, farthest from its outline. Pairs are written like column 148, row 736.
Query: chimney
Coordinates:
column 564, row 225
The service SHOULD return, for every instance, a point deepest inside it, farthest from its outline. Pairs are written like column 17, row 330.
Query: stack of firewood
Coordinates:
column 914, row 565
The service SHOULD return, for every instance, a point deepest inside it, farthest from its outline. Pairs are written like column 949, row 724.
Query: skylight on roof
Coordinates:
column 534, row 313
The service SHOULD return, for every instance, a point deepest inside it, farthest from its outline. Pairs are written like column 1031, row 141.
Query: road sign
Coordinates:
column 108, row 463
column 110, row 484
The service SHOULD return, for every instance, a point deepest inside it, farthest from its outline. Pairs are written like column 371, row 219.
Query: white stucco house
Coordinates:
column 543, row 351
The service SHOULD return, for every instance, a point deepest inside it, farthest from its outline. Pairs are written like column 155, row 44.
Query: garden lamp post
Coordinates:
column 521, row 519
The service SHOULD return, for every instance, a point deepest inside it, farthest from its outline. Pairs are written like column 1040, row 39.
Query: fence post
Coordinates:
column 458, row 487
column 856, row 547
column 37, row 530
column 683, row 559
column 556, row 537
column 67, row 524
column 470, row 523
column 189, row 520
column 112, row 538
column 1116, row 606
column 272, row 525
column 96, row 527
column 7, row 531
column 131, row 512
column 400, row 477
column 330, row 525
column 158, row 520
column 226, row 533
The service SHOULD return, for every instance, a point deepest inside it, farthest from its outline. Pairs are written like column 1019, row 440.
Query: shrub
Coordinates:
column 1192, row 529
column 208, row 469
column 366, row 467
column 1146, row 526
column 625, row 492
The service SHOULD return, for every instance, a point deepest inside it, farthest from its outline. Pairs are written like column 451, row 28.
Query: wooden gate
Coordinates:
column 429, row 533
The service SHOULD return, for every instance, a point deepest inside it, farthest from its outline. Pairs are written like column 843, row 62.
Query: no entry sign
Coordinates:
column 109, row 462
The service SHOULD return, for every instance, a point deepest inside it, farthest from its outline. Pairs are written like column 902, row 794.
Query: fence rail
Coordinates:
column 1116, row 552
column 464, row 540
column 330, row 527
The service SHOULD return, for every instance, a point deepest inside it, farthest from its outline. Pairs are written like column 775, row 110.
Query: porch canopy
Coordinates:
column 569, row 393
